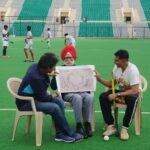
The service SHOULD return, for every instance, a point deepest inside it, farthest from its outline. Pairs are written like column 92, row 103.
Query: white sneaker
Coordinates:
column 110, row 130
column 124, row 134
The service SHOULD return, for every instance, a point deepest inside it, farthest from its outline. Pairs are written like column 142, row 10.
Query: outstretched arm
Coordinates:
column 106, row 83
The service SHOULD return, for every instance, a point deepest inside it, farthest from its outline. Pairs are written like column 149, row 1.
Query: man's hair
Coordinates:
column 48, row 60
column 5, row 26
column 48, row 29
column 122, row 54
column 66, row 34
column 28, row 28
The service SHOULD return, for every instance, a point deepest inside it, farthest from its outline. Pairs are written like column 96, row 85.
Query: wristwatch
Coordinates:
column 118, row 94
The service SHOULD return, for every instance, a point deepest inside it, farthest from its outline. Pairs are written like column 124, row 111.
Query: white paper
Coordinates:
column 75, row 78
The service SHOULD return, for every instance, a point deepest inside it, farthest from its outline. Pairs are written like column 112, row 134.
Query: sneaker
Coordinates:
column 64, row 138
column 111, row 130
column 26, row 60
column 124, row 134
column 88, row 129
column 5, row 56
column 80, row 130
column 78, row 137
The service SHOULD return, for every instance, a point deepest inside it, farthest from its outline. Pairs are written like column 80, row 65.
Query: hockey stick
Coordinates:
column 115, row 109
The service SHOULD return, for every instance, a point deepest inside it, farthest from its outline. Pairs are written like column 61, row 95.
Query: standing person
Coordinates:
column 28, row 46
column 127, row 77
column 35, row 83
column 71, row 40
column 49, row 37
column 79, row 99
column 5, row 40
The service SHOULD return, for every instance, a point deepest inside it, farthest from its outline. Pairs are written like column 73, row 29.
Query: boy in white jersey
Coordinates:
column 5, row 40
column 127, row 77
column 49, row 37
column 71, row 40
column 28, row 46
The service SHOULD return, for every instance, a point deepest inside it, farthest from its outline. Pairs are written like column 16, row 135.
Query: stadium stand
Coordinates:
column 87, row 18
column 96, row 10
column 96, row 30
column 32, row 10
column 56, row 4
column 146, row 7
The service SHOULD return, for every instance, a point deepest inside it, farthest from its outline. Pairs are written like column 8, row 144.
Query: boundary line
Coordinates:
column 96, row 111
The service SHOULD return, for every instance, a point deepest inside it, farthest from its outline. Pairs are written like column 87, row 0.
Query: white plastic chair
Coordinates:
column 13, row 85
column 138, row 112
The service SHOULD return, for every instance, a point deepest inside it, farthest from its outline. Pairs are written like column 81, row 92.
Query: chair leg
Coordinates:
column 93, row 120
column 15, row 124
column 140, row 118
column 137, row 118
column 39, row 123
column 28, row 124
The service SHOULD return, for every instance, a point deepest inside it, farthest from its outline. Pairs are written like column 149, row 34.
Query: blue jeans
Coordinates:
column 55, row 108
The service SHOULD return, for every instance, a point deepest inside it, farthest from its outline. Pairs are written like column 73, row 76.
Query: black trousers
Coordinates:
column 105, row 104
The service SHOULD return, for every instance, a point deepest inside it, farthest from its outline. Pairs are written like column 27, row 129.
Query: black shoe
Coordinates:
column 80, row 130
column 88, row 129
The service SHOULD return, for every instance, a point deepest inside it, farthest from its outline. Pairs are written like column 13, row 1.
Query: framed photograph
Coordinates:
column 76, row 78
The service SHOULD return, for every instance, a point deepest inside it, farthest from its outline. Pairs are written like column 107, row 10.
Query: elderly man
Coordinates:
column 79, row 99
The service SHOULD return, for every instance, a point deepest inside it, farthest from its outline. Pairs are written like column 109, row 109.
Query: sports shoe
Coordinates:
column 88, row 129
column 5, row 56
column 111, row 130
column 124, row 134
column 78, row 137
column 80, row 130
column 64, row 138
column 27, row 60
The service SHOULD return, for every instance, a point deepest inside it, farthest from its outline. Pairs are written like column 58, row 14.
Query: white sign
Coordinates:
column 76, row 78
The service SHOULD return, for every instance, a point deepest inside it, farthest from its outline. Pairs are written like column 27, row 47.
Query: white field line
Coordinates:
column 96, row 111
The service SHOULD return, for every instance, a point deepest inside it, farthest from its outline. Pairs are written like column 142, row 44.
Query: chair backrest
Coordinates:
column 143, row 84
column 13, row 85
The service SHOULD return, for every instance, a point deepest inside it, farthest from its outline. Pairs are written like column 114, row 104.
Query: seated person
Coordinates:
column 127, row 78
column 79, row 99
column 35, row 84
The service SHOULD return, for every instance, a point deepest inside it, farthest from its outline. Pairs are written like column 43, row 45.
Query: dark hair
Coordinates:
column 5, row 26
column 28, row 28
column 48, row 29
column 65, row 34
column 122, row 54
column 48, row 60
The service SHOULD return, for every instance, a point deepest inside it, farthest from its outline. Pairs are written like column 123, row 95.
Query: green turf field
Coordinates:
column 89, row 51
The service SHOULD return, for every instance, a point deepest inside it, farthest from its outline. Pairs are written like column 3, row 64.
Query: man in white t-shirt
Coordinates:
column 127, row 77
column 28, row 46
column 5, row 40
column 70, row 39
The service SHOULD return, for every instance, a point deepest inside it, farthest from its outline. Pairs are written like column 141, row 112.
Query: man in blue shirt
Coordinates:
column 35, row 83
